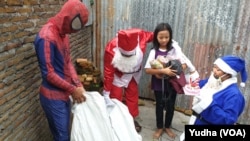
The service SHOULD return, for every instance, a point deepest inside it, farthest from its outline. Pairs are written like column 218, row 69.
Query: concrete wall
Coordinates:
column 21, row 116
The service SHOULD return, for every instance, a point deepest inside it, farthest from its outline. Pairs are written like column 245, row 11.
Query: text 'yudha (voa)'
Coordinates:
column 218, row 132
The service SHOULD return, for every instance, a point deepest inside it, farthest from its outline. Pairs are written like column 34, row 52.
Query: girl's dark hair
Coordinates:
column 162, row 27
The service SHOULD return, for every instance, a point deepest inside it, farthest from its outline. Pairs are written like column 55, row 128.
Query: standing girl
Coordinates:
column 165, row 95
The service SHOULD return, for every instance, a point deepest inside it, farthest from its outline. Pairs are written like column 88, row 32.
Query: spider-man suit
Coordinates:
column 59, row 78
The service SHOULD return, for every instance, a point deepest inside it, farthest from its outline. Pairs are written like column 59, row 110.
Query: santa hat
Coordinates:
column 233, row 65
column 128, row 41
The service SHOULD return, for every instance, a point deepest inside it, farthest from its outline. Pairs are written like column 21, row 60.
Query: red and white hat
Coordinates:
column 128, row 41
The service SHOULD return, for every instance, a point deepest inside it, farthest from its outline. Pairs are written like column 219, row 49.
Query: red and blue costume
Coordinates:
column 59, row 78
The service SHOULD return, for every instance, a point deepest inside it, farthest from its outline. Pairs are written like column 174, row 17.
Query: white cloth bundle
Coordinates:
column 94, row 121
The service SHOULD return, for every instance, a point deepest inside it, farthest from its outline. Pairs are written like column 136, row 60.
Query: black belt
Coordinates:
column 199, row 117
column 128, row 72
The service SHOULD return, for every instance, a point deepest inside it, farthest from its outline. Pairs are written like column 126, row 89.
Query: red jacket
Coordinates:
column 109, row 70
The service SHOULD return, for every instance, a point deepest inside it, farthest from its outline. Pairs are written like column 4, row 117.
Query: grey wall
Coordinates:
column 205, row 29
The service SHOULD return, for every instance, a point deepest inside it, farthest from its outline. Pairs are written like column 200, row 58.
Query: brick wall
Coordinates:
column 21, row 116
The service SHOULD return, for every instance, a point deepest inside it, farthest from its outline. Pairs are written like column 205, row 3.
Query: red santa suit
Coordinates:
column 122, row 66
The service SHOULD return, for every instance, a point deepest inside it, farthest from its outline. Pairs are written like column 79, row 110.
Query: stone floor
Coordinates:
column 147, row 120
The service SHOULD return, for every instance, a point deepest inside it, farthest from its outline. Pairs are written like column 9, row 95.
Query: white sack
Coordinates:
column 94, row 121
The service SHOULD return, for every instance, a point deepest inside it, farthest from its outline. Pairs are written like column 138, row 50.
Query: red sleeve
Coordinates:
column 109, row 70
column 145, row 37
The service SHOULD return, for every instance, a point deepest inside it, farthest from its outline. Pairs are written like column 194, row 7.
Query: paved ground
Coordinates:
column 148, row 122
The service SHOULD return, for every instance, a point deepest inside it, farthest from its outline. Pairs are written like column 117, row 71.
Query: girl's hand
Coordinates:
column 184, row 66
column 168, row 71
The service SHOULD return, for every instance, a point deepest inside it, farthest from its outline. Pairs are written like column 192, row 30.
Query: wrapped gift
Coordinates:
column 192, row 86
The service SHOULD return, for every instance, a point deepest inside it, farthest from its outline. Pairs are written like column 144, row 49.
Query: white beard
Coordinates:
column 213, row 82
column 125, row 64
column 212, row 86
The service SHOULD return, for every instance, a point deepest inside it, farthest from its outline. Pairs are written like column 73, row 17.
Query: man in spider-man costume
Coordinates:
column 122, row 68
column 59, row 78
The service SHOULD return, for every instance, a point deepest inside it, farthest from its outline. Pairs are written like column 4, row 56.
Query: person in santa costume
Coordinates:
column 220, row 101
column 122, row 68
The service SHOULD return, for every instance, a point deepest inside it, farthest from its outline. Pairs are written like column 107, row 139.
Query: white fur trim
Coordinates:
column 132, row 52
column 192, row 120
column 225, row 67
column 202, row 105
column 242, row 84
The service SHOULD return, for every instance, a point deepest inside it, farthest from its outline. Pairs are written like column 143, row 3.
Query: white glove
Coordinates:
column 107, row 99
